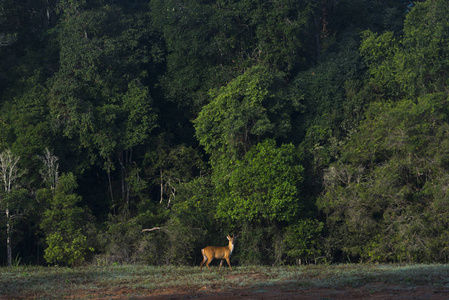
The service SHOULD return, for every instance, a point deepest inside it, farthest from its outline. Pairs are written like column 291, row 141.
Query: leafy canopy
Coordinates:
column 263, row 186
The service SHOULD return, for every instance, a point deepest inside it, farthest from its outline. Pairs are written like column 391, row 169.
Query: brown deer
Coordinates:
column 211, row 252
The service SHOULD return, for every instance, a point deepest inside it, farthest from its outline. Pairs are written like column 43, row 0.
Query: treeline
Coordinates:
column 315, row 130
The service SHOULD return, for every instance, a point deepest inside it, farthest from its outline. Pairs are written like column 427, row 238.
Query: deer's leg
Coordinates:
column 207, row 264
column 221, row 262
column 229, row 263
column 204, row 260
column 202, row 263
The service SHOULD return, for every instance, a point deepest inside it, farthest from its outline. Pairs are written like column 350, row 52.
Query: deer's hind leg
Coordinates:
column 204, row 260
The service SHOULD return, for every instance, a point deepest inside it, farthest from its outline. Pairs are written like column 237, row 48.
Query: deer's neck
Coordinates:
column 231, row 247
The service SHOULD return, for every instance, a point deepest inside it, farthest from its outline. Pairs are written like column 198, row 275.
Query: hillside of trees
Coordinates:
column 314, row 130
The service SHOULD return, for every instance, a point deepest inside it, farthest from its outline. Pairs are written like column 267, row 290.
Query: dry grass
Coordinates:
column 138, row 280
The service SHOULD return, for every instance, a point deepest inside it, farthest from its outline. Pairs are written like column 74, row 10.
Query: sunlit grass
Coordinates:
column 55, row 282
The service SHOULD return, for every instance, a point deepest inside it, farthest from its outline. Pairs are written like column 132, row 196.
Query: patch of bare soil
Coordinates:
column 369, row 291
column 375, row 291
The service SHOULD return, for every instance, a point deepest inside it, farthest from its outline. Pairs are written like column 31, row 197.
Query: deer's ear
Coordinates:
column 228, row 237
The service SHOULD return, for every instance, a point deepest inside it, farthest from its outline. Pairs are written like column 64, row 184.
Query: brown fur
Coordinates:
column 211, row 252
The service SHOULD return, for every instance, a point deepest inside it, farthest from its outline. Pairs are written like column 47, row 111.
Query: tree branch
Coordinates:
column 155, row 228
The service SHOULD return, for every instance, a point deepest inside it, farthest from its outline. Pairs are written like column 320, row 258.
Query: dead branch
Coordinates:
column 155, row 228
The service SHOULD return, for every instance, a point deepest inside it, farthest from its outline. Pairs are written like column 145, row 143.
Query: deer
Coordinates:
column 211, row 252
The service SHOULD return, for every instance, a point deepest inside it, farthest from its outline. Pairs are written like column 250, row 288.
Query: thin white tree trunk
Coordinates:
column 9, row 172
column 8, row 238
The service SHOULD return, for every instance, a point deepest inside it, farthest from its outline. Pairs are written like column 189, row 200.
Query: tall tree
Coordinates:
column 100, row 97
column 10, row 174
column 210, row 43
column 248, row 109
column 50, row 170
column 415, row 64
column 255, row 182
column 384, row 191
column 25, row 42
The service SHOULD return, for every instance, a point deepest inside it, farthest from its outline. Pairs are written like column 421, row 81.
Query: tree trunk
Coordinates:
column 110, row 189
column 8, row 238
column 9, row 171
column 162, row 187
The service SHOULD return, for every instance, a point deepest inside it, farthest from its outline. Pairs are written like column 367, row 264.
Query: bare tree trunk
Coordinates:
column 9, row 174
column 162, row 187
column 125, row 160
column 8, row 238
column 48, row 13
column 122, row 161
column 129, row 154
column 50, row 172
column 110, row 189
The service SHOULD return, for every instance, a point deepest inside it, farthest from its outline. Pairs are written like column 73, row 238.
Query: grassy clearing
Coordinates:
column 135, row 280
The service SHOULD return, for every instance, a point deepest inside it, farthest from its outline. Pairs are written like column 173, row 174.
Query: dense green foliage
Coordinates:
column 64, row 224
column 385, row 198
column 312, row 129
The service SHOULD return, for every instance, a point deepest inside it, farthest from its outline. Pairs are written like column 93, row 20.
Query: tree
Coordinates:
column 65, row 224
column 128, row 94
column 250, row 108
column 25, row 43
column 209, row 44
column 416, row 64
column 261, row 187
column 255, row 182
column 10, row 174
column 100, row 98
column 50, row 170
column 302, row 240
column 382, row 196
column 172, row 167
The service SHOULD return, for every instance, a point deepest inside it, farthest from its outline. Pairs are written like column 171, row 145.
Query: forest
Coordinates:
column 141, row 131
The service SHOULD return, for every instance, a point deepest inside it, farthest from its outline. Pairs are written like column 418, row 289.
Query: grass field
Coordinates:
column 138, row 281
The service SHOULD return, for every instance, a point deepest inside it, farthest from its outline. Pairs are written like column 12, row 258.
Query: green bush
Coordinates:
column 64, row 224
column 302, row 240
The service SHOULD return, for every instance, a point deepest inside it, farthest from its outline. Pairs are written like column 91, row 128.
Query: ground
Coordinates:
column 369, row 291
column 346, row 281
column 372, row 291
